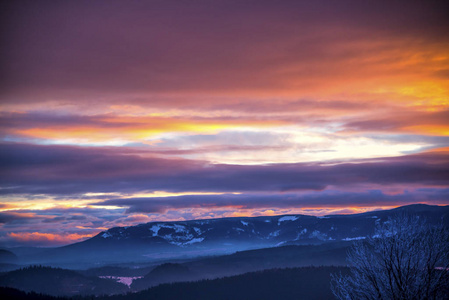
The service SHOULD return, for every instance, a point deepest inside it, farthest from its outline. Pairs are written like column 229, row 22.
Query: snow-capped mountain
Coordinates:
column 158, row 240
column 267, row 231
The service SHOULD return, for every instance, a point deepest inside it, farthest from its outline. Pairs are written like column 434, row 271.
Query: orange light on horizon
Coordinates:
column 49, row 238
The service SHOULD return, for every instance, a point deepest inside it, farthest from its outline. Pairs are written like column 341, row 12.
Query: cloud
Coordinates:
column 106, row 127
column 64, row 170
column 328, row 199
column 433, row 123
column 195, row 48
column 226, row 85
column 54, row 220
column 57, row 226
column 13, row 217
column 46, row 239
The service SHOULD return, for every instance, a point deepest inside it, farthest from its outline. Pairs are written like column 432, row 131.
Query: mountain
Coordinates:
column 8, row 261
column 157, row 241
column 7, row 257
column 58, row 282
column 328, row 254
column 277, row 257
column 165, row 273
column 292, row 283
column 15, row 294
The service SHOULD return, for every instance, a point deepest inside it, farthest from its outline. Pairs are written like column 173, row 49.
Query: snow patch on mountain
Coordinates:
column 287, row 218
column 244, row 223
column 177, row 228
column 155, row 229
column 106, row 235
column 193, row 241
column 180, row 235
column 319, row 235
column 302, row 232
column 355, row 238
column 274, row 233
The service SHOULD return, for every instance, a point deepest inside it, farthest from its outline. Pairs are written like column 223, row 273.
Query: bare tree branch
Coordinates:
column 406, row 258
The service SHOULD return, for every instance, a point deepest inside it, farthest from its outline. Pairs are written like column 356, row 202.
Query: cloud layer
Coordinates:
column 114, row 113
column 31, row 169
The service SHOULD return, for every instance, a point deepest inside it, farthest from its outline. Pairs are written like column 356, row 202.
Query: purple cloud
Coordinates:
column 402, row 120
column 326, row 199
column 65, row 170
column 50, row 52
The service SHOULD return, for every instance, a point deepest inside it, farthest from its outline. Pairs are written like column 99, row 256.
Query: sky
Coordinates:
column 115, row 113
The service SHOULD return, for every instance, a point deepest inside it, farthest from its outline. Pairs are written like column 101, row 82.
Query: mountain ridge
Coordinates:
column 418, row 205
column 158, row 241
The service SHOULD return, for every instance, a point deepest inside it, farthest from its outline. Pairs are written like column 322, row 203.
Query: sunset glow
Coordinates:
column 161, row 111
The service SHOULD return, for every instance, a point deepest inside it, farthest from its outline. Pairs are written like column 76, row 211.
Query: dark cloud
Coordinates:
column 73, row 213
column 77, row 218
column 78, row 48
column 10, row 217
column 54, row 220
column 401, row 121
column 328, row 199
column 64, row 170
column 15, row 120
column 297, row 106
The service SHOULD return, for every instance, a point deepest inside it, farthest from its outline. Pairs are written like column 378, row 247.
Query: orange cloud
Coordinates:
column 428, row 129
column 125, row 128
column 7, row 206
column 48, row 238
column 434, row 123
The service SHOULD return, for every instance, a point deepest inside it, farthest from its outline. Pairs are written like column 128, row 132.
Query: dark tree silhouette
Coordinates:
column 406, row 258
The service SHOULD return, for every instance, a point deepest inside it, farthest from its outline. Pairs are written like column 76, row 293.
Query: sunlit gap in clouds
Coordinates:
column 210, row 111
column 252, row 145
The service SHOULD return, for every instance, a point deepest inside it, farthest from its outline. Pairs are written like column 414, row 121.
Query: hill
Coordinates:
column 158, row 241
column 292, row 283
column 7, row 257
column 59, row 282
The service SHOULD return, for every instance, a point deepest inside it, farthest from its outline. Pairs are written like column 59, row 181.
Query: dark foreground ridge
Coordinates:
column 59, row 282
column 292, row 283
column 56, row 281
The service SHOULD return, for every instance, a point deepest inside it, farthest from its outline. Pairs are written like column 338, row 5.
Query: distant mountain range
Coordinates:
column 7, row 257
column 167, row 240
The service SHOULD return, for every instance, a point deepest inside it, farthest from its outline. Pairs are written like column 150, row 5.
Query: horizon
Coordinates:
column 119, row 113
column 208, row 219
